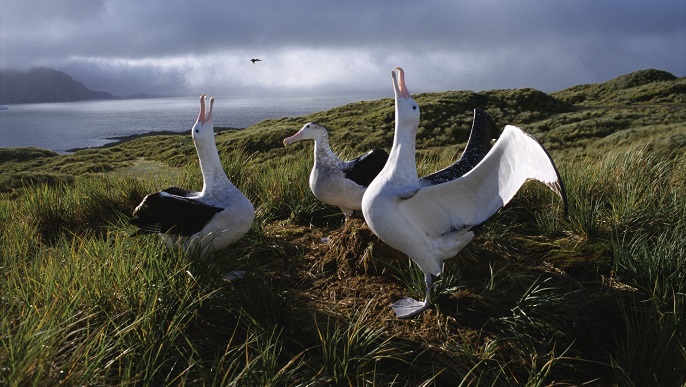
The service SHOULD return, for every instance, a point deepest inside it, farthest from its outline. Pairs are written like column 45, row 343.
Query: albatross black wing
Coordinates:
column 169, row 211
column 177, row 191
column 478, row 145
column 364, row 169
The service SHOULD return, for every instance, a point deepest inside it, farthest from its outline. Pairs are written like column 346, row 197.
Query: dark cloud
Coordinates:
column 176, row 47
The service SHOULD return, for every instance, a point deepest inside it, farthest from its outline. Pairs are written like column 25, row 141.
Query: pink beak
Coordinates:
column 296, row 137
column 205, row 116
column 399, row 83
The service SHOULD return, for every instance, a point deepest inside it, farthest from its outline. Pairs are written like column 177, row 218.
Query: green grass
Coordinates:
column 536, row 299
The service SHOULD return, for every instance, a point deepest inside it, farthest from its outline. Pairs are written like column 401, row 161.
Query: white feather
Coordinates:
column 431, row 223
column 470, row 200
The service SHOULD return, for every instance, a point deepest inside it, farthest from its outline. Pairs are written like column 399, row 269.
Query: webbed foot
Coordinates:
column 408, row 307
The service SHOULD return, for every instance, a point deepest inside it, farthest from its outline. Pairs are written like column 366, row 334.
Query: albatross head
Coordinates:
column 406, row 109
column 310, row 131
column 203, row 130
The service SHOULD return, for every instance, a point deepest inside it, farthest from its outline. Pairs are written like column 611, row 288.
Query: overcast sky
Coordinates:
column 324, row 47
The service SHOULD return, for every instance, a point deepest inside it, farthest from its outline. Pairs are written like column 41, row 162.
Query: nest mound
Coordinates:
column 354, row 249
column 352, row 271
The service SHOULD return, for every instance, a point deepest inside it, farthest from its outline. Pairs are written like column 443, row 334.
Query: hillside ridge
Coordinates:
column 591, row 127
column 44, row 85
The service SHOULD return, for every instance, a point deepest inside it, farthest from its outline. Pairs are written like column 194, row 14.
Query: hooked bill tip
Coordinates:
column 399, row 81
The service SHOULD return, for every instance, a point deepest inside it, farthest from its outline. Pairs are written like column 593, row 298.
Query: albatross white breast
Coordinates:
column 429, row 219
column 333, row 181
column 213, row 218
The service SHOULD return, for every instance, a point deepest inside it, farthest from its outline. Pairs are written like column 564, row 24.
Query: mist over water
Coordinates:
column 64, row 126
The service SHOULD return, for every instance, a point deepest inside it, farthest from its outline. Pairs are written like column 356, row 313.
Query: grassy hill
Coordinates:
column 535, row 299
column 646, row 86
column 43, row 85
column 643, row 106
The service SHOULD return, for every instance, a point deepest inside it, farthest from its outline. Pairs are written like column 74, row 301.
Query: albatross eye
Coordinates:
column 197, row 130
column 414, row 107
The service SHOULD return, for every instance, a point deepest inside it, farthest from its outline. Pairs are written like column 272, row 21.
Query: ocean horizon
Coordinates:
column 67, row 126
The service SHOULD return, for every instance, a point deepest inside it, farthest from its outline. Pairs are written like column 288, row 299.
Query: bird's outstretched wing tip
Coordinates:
column 557, row 185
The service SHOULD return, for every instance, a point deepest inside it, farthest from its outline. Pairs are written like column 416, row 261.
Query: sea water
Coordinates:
column 66, row 126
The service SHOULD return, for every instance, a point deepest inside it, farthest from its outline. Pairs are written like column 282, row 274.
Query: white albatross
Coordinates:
column 430, row 220
column 211, row 219
column 334, row 181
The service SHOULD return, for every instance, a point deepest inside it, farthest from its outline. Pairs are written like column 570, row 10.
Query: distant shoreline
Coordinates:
column 118, row 140
column 69, row 127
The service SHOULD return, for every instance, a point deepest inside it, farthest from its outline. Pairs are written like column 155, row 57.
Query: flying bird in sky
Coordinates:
column 253, row 60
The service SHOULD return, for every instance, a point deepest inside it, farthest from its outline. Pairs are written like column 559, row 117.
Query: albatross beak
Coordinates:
column 204, row 115
column 201, row 116
column 399, row 83
column 296, row 137
column 209, row 114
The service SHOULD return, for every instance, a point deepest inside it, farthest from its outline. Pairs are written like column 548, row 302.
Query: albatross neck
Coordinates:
column 211, row 166
column 402, row 160
column 322, row 150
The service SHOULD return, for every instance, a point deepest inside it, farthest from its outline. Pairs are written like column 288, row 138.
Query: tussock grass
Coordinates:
column 348, row 350
column 281, row 187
